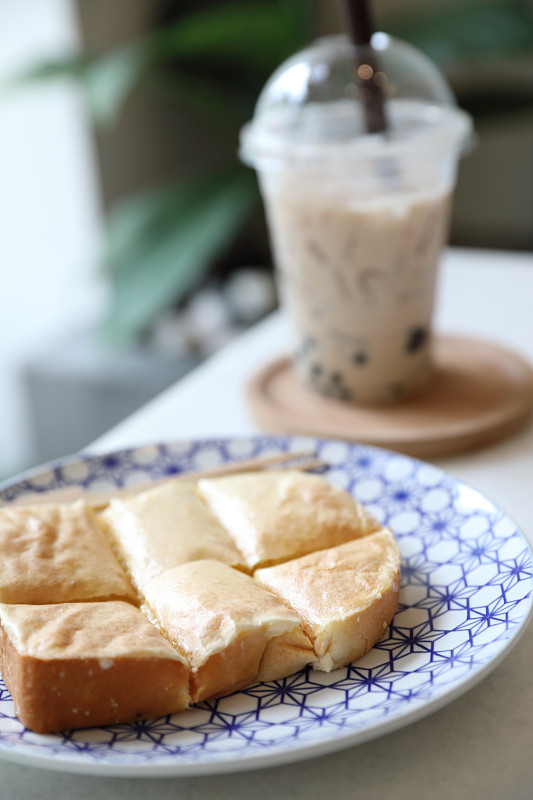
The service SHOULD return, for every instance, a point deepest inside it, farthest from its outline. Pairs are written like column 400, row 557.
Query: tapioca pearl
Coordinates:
column 314, row 374
column 335, row 392
column 344, row 394
column 417, row 337
column 360, row 358
column 338, row 387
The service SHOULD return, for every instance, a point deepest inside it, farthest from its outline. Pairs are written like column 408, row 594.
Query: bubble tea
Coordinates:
column 357, row 221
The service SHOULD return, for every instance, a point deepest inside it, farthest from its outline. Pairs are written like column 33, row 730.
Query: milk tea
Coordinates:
column 357, row 280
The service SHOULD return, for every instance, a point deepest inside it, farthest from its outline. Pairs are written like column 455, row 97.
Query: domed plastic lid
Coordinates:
column 317, row 105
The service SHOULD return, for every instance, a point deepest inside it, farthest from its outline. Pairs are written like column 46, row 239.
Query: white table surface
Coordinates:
column 479, row 746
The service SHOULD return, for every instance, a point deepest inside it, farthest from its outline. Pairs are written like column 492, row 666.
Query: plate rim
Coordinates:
column 233, row 763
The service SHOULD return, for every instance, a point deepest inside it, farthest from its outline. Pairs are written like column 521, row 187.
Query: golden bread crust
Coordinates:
column 100, row 675
column 76, row 650
column 346, row 596
column 165, row 527
column 57, row 554
column 279, row 515
column 222, row 621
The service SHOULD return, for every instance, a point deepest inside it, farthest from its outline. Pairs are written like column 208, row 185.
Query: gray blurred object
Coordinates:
column 75, row 392
column 76, row 389
column 250, row 294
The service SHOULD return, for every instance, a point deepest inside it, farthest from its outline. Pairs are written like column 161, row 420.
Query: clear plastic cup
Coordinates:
column 358, row 220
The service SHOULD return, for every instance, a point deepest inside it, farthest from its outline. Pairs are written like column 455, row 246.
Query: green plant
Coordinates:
column 485, row 48
column 212, row 58
column 213, row 61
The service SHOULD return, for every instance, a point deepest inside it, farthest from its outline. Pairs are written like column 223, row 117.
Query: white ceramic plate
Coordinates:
column 465, row 599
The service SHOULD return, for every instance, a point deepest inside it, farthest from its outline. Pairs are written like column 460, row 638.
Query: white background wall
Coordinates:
column 49, row 209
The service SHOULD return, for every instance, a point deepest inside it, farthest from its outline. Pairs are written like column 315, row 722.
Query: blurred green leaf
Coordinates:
column 110, row 80
column 71, row 66
column 107, row 80
column 224, row 108
column 259, row 34
column 162, row 245
column 251, row 37
column 455, row 32
column 214, row 59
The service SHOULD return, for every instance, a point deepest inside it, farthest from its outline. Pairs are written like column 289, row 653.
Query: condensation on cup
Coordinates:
column 358, row 221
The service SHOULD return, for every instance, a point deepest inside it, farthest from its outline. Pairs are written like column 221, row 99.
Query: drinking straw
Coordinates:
column 360, row 27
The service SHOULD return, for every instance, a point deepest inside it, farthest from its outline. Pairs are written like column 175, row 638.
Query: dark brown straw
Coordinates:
column 360, row 27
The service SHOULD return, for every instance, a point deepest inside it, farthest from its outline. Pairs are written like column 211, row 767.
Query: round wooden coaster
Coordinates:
column 481, row 392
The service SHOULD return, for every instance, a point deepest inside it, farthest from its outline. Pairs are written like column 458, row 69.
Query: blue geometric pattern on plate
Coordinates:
column 465, row 598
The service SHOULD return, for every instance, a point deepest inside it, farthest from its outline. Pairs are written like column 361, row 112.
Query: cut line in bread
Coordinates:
column 74, row 665
column 163, row 528
column 325, row 587
column 227, row 626
column 284, row 514
column 346, row 596
column 57, row 554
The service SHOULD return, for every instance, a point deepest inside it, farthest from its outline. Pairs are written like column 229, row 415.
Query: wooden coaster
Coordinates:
column 481, row 392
